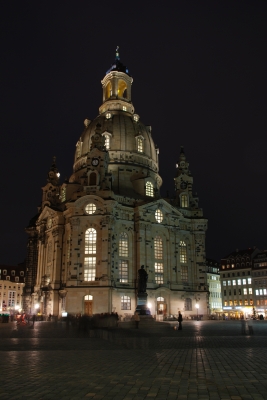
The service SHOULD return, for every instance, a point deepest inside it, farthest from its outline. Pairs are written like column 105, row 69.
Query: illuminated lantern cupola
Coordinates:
column 117, row 88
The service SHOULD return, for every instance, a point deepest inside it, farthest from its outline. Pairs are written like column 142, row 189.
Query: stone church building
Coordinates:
column 93, row 232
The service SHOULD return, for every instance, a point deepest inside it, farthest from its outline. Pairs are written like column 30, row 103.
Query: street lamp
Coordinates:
column 197, row 307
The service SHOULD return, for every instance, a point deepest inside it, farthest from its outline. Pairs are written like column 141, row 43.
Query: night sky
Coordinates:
column 199, row 79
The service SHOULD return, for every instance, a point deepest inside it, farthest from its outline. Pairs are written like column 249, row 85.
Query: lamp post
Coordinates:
column 197, row 307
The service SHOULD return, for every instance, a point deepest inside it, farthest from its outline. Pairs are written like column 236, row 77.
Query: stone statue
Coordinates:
column 142, row 280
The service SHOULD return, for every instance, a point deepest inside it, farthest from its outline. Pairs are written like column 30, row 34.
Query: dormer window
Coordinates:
column 108, row 115
column 149, row 189
column 124, row 108
column 140, row 144
column 136, row 117
column 184, row 201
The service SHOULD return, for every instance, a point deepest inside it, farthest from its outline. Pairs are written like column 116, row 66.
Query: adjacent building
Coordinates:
column 93, row 232
column 259, row 281
column 214, row 286
column 11, row 288
column 237, row 285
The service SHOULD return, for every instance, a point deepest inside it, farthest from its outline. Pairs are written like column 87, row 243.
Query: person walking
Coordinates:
column 137, row 319
column 180, row 320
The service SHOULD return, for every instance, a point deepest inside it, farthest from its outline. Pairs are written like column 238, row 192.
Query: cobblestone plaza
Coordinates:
column 206, row 360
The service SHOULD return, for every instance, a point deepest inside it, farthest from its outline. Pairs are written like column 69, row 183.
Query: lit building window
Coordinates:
column 244, row 281
column 149, row 189
column 245, row 291
column 158, row 248
column 123, row 245
column 90, row 252
column 159, row 272
column 125, row 303
column 234, row 282
column 158, row 256
column 184, row 273
column 250, row 290
column 183, row 252
column 108, row 115
column 123, row 271
column 249, row 281
column 159, row 216
column 136, row 117
column 107, row 142
column 184, row 201
column 224, row 283
column 229, row 283
column 124, row 108
column 140, row 147
column 239, row 281
column 90, row 208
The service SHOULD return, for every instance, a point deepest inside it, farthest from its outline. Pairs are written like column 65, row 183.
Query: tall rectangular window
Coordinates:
column 183, row 253
column 123, row 271
column 90, row 252
column 158, row 272
column 184, row 273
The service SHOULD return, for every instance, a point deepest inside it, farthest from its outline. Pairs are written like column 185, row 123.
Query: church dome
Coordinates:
column 131, row 149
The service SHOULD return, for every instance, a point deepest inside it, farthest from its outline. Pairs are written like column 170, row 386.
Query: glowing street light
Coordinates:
column 197, row 307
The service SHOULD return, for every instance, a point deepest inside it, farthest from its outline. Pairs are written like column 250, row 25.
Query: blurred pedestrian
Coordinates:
column 180, row 320
column 137, row 319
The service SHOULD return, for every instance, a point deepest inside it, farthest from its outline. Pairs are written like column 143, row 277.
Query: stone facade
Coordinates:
column 97, row 228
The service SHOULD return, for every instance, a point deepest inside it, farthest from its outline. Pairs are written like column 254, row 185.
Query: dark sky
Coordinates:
column 199, row 70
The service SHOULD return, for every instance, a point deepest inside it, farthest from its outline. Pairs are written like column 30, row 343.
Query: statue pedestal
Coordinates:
column 141, row 307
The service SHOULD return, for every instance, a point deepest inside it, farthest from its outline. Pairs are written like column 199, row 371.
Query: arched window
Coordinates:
column 122, row 88
column 123, row 245
column 188, row 304
column 125, row 303
column 92, row 179
column 140, row 145
column 183, row 252
column 90, row 255
column 149, row 189
column 108, row 90
column 184, row 201
column 123, row 254
column 158, row 256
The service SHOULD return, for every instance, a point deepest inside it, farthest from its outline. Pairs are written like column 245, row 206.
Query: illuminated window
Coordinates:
column 245, row 291
column 123, row 271
column 159, row 272
column 246, row 302
column 226, row 303
column 244, row 281
column 239, row 281
column 184, row 273
column 159, row 216
column 122, row 89
column 184, row 201
column 140, row 145
column 234, row 282
column 229, row 283
column 158, row 248
column 251, row 302
column 136, row 117
column 90, row 208
column 249, row 281
column 63, row 194
column 149, row 189
column 240, row 302
column 107, row 142
column 123, row 245
column 108, row 115
column 250, row 290
column 183, row 253
column 124, row 108
column 90, row 252
column 233, row 265
column 224, row 283
column 125, row 303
